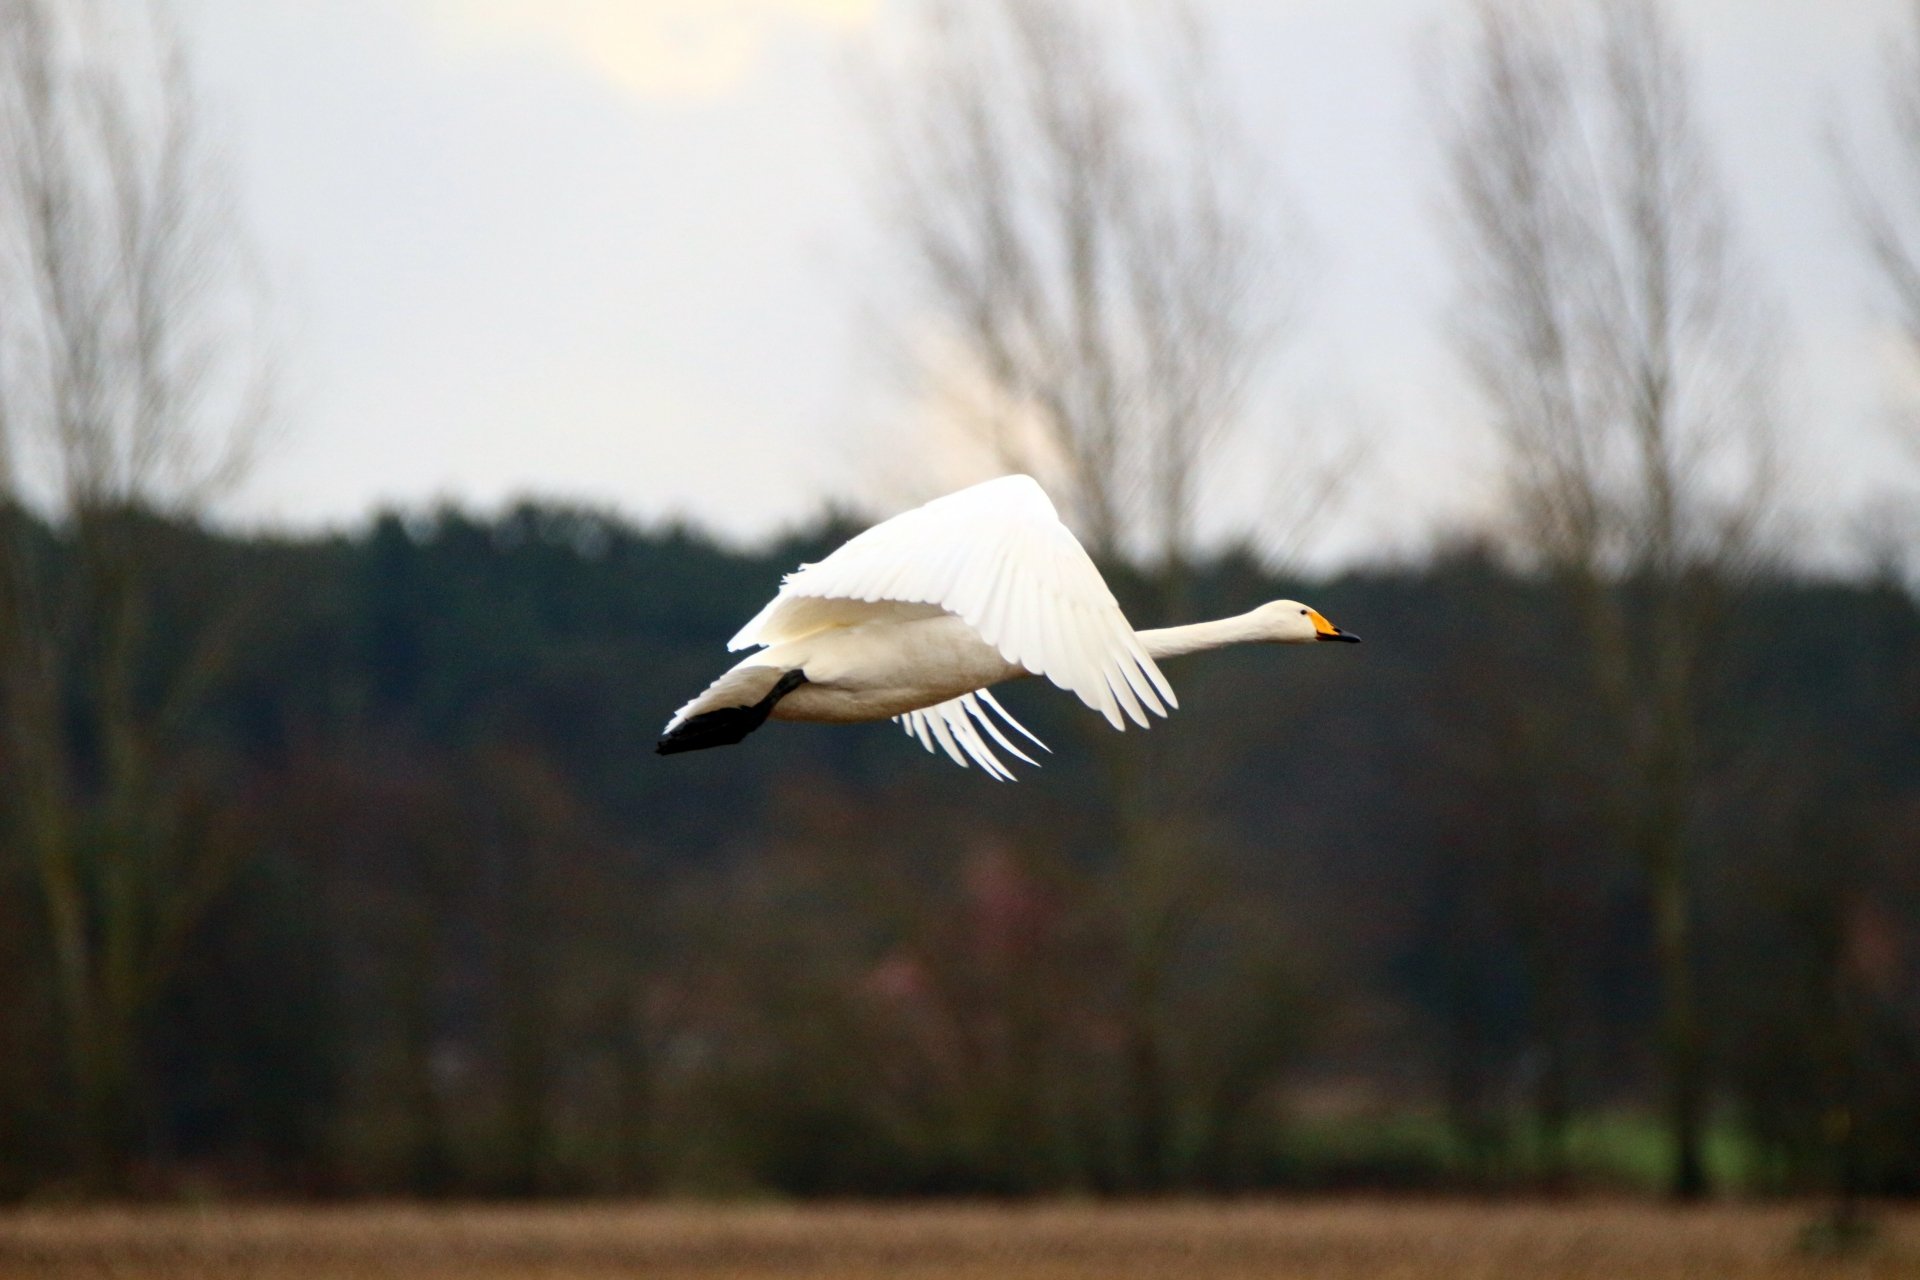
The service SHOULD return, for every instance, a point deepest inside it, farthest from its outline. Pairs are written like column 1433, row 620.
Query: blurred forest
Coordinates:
column 469, row 935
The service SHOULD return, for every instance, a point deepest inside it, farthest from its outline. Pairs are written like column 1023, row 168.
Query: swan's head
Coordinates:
column 1290, row 622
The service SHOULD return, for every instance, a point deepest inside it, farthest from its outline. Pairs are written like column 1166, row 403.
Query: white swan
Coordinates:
column 914, row 619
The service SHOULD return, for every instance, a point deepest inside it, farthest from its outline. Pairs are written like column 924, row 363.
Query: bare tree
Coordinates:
column 1093, row 285
column 1604, row 319
column 123, row 301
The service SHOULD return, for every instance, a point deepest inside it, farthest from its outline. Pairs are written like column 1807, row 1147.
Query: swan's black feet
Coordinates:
column 726, row 726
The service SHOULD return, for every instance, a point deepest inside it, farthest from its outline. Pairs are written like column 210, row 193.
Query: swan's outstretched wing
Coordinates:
column 947, row 724
column 998, row 557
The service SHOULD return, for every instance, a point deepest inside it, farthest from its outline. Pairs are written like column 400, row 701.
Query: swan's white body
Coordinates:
column 878, row 670
column 915, row 618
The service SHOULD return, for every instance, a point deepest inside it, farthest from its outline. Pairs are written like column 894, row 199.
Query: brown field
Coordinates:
column 1337, row 1241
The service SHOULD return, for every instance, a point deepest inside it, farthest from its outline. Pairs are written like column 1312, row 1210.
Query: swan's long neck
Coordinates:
column 1171, row 642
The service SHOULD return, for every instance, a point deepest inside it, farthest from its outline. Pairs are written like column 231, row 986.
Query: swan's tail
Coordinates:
column 724, row 726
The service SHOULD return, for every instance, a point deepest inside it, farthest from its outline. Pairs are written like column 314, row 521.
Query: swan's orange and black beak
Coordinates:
column 1325, row 630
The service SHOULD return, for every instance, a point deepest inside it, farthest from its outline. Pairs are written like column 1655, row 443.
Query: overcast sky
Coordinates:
column 612, row 249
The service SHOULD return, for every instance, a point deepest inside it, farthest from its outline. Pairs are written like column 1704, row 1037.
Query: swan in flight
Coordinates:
column 915, row 618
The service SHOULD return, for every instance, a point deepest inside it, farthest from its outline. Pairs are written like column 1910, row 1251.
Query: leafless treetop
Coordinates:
column 130, row 372
column 1604, row 313
column 1086, row 234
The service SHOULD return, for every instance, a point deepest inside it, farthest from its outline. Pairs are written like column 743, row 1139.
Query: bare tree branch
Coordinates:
column 1886, row 217
column 1084, row 235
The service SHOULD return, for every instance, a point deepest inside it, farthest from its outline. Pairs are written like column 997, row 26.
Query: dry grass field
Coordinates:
column 1334, row 1241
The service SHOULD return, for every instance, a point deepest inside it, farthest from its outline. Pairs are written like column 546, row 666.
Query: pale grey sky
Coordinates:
column 611, row 249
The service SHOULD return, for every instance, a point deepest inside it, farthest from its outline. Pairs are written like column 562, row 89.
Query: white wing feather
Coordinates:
column 997, row 556
column 948, row 725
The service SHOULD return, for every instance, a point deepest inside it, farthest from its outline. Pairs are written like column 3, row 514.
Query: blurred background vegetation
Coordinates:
column 340, row 862
column 472, row 936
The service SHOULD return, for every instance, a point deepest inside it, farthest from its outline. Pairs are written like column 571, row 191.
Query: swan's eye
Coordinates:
column 1303, row 613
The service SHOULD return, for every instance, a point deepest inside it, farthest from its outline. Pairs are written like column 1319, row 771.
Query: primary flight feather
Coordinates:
column 915, row 618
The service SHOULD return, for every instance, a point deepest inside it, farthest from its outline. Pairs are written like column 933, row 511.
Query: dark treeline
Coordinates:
column 466, row 933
